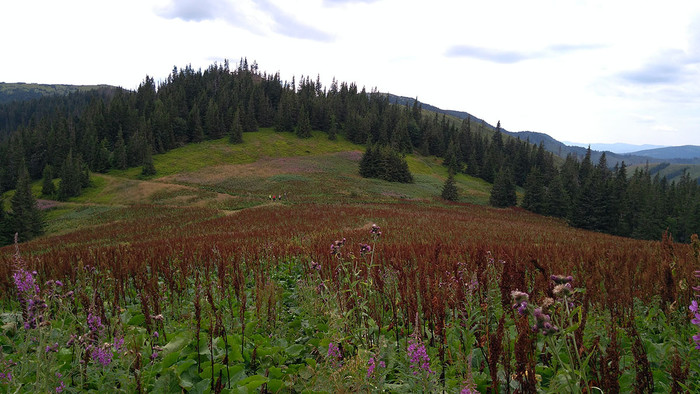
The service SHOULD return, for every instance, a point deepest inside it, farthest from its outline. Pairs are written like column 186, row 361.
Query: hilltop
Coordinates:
column 20, row 91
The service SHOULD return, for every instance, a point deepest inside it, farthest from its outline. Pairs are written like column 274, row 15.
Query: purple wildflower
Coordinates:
column 372, row 365
column 102, row 356
column 315, row 266
column 418, row 357
column 543, row 323
column 155, row 334
column 118, row 343
column 375, row 230
column 335, row 247
column 364, row 248
column 51, row 348
column 154, row 356
column 693, row 306
column 25, row 282
column 94, row 323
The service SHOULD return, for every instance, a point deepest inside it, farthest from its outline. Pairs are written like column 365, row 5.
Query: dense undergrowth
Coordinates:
column 317, row 298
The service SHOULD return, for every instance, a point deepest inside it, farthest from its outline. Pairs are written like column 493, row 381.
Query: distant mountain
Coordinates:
column 21, row 91
column 672, row 152
column 617, row 153
column 616, row 147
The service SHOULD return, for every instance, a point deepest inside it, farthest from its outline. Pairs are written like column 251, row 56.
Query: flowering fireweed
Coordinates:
column 432, row 263
column 418, row 358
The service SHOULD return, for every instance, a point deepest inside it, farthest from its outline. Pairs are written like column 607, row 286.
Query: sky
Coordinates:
column 583, row 71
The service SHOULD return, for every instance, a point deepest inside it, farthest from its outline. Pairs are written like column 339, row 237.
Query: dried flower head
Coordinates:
column 563, row 290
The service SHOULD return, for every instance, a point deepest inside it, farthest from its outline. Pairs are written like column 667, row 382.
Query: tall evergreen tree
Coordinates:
column 148, row 167
column 534, row 199
column 449, row 188
column 236, row 132
column 47, row 187
column 503, row 190
column 102, row 157
column 304, row 126
column 119, row 155
column 333, row 130
column 25, row 217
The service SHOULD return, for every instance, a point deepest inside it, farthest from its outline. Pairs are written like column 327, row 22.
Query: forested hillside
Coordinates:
column 106, row 129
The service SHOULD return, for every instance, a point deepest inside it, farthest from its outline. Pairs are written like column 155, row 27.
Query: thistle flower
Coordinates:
column 336, row 245
column 315, row 266
column 543, row 323
column 375, row 230
column 561, row 279
column 562, row 290
column 519, row 296
column 520, row 299
column 364, row 248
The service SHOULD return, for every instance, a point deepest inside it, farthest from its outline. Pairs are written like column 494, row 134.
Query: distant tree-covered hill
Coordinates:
column 21, row 91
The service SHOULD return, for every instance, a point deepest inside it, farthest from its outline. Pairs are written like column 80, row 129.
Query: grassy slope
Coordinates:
column 229, row 177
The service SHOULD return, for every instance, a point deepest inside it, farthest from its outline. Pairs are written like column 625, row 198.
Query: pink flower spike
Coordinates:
column 693, row 306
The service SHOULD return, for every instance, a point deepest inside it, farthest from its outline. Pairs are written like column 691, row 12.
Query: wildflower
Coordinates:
column 418, row 357
column 154, row 356
column 94, row 323
column 519, row 296
column 51, row 348
column 693, row 306
column 155, row 334
column 102, row 356
column 25, row 282
column 562, row 290
column 543, row 323
column 520, row 299
column 158, row 317
column 315, row 266
column 335, row 247
column 333, row 350
column 118, row 343
column 62, row 385
column 372, row 365
column 561, row 279
column 375, row 230
column 364, row 248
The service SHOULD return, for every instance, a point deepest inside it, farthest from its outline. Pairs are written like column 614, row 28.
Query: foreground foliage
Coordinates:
column 164, row 299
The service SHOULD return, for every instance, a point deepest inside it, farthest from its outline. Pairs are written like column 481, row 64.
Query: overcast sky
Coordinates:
column 584, row 71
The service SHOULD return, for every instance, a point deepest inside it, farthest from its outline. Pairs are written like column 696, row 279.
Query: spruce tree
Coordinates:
column 48, row 189
column 69, row 185
column 534, row 199
column 235, row 135
column 503, row 191
column 119, row 154
column 449, row 189
column 333, row 131
column 304, row 125
column 148, row 167
column 102, row 157
column 25, row 217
